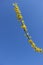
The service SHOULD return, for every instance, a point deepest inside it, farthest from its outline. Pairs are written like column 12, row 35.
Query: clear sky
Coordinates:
column 14, row 47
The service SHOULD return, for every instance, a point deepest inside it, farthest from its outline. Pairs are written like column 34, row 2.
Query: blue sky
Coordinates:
column 14, row 47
